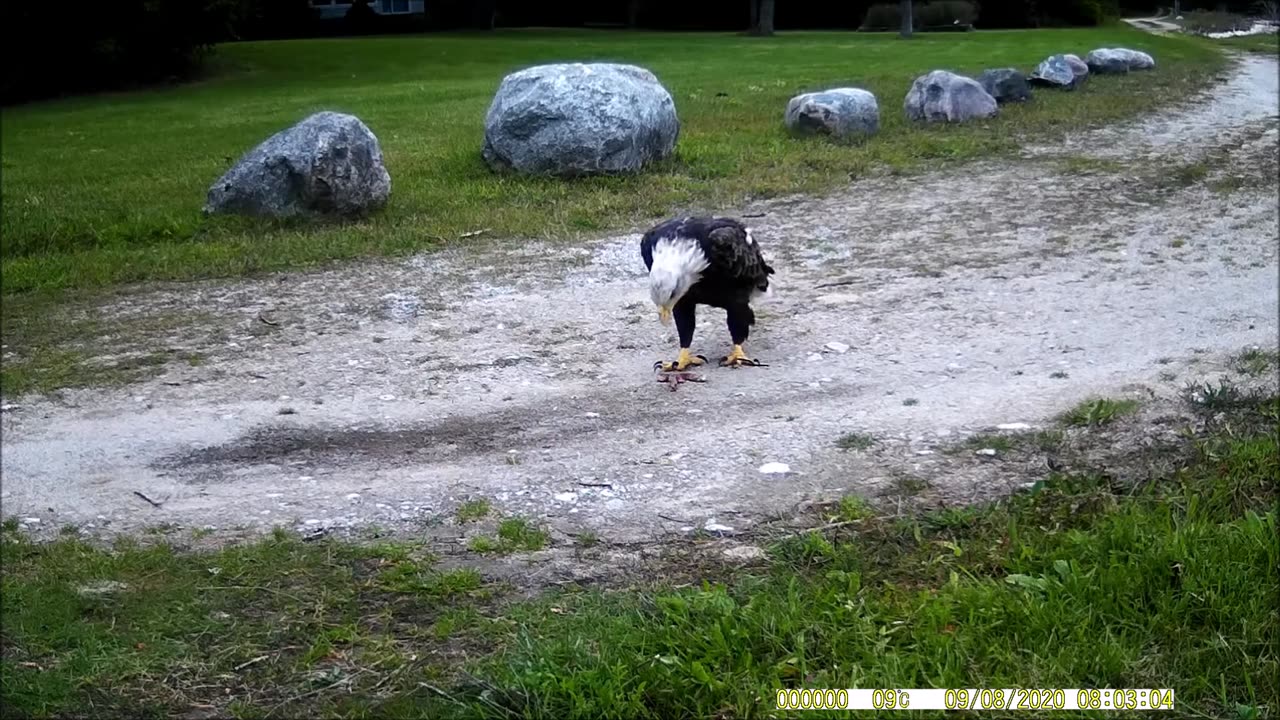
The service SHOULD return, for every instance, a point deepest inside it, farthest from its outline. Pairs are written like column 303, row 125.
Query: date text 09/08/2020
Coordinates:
column 976, row 699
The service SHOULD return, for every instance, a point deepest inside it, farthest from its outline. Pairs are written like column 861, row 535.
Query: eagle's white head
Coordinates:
column 677, row 264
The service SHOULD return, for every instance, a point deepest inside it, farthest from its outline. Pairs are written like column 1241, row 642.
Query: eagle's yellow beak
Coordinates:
column 664, row 315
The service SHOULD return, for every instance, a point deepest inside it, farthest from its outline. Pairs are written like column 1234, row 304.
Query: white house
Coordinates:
column 334, row 9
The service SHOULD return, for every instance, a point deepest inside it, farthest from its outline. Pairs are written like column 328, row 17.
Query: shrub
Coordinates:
column 945, row 12
column 270, row 19
column 923, row 15
column 1080, row 12
column 102, row 46
column 1007, row 14
column 92, row 46
column 360, row 17
column 1202, row 22
column 1072, row 13
column 881, row 17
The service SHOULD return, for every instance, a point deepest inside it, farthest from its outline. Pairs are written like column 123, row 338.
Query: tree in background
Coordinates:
column 266, row 19
column 105, row 45
column 761, row 17
column 115, row 44
column 484, row 14
column 360, row 17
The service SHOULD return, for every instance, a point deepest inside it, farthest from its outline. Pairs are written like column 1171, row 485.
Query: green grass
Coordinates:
column 1099, row 411
column 1256, row 361
column 855, row 441
column 105, row 190
column 515, row 534
column 1075, row 583
column 854, row 509
column 1266, row 44
column 53, row 343
column 472, row 510
column 1000, row 442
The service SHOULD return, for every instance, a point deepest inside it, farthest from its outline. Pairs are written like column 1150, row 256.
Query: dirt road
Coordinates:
column 1155, row 25
column 387, row 393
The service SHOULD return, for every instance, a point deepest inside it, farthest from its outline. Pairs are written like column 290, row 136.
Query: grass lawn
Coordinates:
column 1269, row 44
column 1085, row 580
column 105, row 190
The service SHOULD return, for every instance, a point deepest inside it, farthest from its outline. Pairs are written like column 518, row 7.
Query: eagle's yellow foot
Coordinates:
column 738, row 358
column 683, row 362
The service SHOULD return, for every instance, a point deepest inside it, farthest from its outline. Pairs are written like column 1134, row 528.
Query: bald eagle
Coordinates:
column 705, row 261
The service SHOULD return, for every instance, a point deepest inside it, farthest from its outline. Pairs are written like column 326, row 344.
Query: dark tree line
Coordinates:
column 763, row 17
column 86, row 45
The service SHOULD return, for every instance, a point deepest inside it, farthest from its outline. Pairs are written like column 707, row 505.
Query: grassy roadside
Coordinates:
column 107, row 190
column 1084, row 580
column 89, row 210
column 1265, row 44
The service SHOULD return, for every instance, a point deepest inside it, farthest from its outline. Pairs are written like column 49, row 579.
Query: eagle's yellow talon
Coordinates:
column 683, row 362
column 737, row 358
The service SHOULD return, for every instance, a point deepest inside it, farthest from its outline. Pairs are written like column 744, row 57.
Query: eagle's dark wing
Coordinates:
column 734, row 255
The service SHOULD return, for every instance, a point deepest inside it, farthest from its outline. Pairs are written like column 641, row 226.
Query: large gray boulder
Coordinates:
column 1118, row 61
column 579, row 119
column 842, row 113
column 328, row 165
column 1005, row 85
column 1107, row 62
column 1079, row 67
column 1055, row 71
column 943, row 96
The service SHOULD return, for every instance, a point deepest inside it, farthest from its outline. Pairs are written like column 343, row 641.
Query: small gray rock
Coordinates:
column 745, row 553
column 1005, row 85
column 1118, row 61
column 328, row 165
column 401, row 307
column 101, row 587
column 1055, row 71
column 945, row 96
column 579, row 119
column 842, row 113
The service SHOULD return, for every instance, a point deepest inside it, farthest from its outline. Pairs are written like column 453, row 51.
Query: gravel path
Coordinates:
column 387, row 393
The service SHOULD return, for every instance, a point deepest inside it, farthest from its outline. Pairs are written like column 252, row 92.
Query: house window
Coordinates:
column 391, row 7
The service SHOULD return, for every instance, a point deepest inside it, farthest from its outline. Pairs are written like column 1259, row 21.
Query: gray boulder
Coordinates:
column 328, row 165
column 1107, row 62
column 1055, row 71
column 1118, row 61
column 579, row 119
column 1079, row 67
column 944, row 96
column 1139, row 60
column 843, row 113
column 1005, row 85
